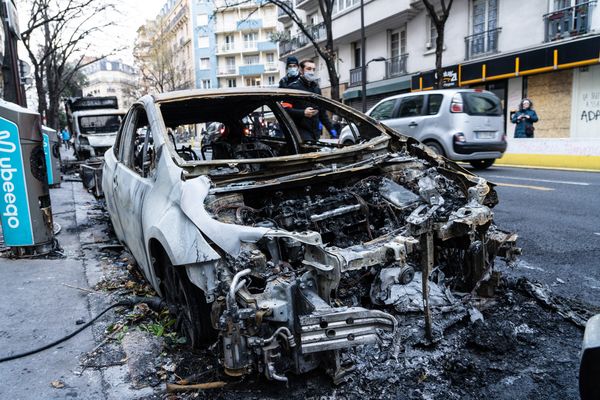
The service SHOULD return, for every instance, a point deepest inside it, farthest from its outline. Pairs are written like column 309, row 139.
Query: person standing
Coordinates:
column 292, row 72
column 307, row 117
column 524, row 118
column 66, row 137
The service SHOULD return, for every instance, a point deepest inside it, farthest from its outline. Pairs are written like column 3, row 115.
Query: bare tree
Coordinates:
column 155, row 54
column 56, row 39
column 439, row 21
column 325, row 49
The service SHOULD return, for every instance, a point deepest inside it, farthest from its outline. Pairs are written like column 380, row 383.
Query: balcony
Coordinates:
column 482, row 43
column 228, row 70
column 266, row 46
column 568, row 22
column 282, row 16
column 355, row 77
column 318, row 33
column 271, row 66
column 227, row 48
column 252, row 69
column 249, row 25
column 395, row 66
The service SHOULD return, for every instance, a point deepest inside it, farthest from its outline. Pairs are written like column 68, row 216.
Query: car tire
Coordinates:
column 193, row 313
column 348, row 142
column 436, row 147
column 482, row 164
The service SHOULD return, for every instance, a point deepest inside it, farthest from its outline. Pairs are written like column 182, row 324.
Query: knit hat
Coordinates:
column 291, row 60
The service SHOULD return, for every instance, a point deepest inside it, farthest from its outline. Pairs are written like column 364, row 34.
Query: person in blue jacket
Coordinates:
column 524, row 118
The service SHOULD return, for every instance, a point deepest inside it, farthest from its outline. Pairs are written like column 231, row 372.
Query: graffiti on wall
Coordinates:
column 591, row 106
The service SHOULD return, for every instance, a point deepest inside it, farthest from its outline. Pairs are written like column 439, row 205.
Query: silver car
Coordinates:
column 460, row 124
column 283, row 250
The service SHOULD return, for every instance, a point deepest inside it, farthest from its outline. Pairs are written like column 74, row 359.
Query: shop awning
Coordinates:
column 379, row 87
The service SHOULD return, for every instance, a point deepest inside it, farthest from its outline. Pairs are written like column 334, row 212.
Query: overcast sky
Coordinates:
column 128, row 17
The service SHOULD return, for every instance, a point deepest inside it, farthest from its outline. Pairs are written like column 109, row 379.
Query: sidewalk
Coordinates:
column 553, row 153
column 43, row 300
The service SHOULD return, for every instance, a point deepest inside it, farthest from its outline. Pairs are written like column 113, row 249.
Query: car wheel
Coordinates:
column 436, row 147
column 482, row 164
column 193, row 313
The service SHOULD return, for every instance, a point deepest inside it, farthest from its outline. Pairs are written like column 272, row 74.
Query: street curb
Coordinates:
column 548, row 168
column 554, row 161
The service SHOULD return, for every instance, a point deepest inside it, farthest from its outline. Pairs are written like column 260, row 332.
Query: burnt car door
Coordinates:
column 133, row 179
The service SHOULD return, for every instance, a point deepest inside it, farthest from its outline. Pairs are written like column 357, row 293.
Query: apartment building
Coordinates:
column 111, row 78
column 245, row 54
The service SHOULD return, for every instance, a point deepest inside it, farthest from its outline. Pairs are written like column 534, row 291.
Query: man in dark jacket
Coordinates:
column 292, row 72
column 306, row 116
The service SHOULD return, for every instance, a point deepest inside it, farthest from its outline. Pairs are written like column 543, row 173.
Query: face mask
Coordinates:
column 310, row 76
column 292, row 72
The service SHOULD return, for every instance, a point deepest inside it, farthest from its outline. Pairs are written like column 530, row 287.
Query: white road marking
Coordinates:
column 542, row 188
column 540, row 180
column 597, row 233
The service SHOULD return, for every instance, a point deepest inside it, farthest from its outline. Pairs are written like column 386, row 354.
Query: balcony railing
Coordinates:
column 482, row 43
column 281, row 13
column 229, row 70
column 228, row 47
column 270, row 66
column 396, row 66
column 568, row 22
column 318, row 32
column 355, row 76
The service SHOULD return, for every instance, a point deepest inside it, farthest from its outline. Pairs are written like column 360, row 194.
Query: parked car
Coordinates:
column 285, row 251
column 460, row 124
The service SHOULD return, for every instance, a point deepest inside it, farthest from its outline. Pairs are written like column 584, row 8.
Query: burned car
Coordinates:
column 282, row 250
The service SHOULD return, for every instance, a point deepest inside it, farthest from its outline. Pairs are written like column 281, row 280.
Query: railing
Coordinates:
column 355, row 76
column 228, row 71
column 318, row 32
column 396, row 66
column 177, row 18
column 280, row 12
column 270, row 66
column 482, row 43
column 228, row 47
column 250, row 45
column 568, row 22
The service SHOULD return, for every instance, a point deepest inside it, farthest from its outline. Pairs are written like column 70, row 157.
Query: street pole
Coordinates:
column 363, row 57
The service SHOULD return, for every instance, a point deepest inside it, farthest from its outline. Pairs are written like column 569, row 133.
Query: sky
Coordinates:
column 129, row 16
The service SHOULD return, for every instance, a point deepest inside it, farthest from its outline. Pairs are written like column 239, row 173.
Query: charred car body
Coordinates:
column 287, row 251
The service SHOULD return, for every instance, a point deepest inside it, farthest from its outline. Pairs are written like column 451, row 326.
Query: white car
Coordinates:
column 460, row 124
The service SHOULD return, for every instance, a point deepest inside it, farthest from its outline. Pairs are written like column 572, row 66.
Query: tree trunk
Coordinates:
column 439, row 49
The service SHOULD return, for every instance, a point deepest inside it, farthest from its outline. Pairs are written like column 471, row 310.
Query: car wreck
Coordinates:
column 285, row 251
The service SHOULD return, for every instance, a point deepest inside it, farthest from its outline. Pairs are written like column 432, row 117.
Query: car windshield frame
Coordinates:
column 321, row 149
column 94, row 131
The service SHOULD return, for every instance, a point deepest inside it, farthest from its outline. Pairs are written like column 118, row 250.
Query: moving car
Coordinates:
column 460, row 124
column 285, row 251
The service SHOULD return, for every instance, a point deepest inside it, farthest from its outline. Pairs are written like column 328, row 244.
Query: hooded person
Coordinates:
column 292, row 72
column 525, row 117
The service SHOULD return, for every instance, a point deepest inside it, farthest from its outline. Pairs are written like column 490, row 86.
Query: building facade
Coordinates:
column 111, row 78
column 547, row 50
column 245, row 54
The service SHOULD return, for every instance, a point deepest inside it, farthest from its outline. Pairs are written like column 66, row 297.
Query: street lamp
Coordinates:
column 363, row 90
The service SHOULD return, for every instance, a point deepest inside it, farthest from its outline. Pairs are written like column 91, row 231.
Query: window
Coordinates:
column 435, row 102
column 341, row 5
column 229, row 43
column 411, row 106
column 384, row 110
column 253, row 81
column 431, row 44
column 271, row 80
column 357, row 54
column 231, row 83
column 202, row 19
column 138, row 152
column 250, row 60
column 203, row 42
column 484, row 38
column 205, row 83
column 205, row 63
column 270, row 57
column 481, row 104
column 250, row 40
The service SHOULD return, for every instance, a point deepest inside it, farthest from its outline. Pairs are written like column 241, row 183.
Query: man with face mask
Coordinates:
column 292, row 72
column 306, row 116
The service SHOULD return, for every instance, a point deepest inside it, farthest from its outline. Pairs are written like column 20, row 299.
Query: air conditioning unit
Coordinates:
column 428, row 45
